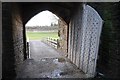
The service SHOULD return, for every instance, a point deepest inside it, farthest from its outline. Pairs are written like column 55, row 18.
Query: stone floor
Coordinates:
column 46, row 62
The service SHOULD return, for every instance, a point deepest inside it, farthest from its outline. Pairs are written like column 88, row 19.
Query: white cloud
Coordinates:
column 43, row 18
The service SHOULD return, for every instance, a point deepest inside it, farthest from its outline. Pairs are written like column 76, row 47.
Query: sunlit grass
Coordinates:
column 41, row 35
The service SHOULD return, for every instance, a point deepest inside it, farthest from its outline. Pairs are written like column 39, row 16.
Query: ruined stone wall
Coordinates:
column 63, row 35
column 109, row 50
column 12, row 39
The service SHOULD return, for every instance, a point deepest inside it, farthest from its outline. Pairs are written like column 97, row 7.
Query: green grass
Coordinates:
column 41, row 35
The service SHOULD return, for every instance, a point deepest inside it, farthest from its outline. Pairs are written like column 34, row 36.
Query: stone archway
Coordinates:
column 61, row 28
column 15, row 15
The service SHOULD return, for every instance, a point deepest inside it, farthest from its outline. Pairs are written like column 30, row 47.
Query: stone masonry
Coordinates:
column 63, row 35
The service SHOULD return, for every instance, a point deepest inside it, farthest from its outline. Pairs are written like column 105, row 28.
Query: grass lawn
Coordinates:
column 41, row 35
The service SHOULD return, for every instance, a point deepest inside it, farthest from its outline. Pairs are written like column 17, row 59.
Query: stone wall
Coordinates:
column 17, row 26
column 63, row 35
column 12, row 39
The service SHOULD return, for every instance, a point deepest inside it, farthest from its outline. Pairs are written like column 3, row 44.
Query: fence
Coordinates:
column 52, row 42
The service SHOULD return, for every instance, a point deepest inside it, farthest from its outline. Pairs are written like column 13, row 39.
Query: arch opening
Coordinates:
column 47, row 28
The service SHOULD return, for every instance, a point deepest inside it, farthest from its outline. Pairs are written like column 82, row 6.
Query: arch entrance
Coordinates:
column 46, row 27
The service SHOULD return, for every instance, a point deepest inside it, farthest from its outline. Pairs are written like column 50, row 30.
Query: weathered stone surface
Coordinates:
column 63, row 34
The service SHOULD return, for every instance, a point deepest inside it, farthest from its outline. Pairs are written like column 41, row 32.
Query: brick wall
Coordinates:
column 109, row 50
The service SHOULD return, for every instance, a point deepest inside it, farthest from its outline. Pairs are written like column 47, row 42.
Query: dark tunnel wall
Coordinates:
column 12, row 39
column 8, row 60
column 17, row 26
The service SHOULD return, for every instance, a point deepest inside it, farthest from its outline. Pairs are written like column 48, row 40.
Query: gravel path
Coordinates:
column 45, row 62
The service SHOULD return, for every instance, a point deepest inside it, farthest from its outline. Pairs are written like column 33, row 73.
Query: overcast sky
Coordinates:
column 43, row 18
